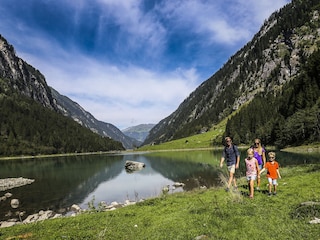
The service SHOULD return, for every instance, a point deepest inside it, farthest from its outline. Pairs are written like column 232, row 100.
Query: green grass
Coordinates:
column 199, row 141
column 213, row 213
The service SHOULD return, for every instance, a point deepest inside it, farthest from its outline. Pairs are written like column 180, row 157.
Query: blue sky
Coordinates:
column 130, row 62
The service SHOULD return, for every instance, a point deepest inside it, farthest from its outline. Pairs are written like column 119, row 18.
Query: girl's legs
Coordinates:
column 251, row 185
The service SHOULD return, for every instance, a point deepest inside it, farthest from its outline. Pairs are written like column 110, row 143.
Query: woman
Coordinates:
column 260, row 155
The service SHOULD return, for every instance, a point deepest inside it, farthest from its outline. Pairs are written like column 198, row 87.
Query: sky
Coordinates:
column 130, row 62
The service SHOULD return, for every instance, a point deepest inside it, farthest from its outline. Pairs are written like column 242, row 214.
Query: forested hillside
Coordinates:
column 27, row 128
column 30, row 120
column 271, row 77
column 288, row 117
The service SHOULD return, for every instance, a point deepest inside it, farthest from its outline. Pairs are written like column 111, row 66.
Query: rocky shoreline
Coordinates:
column 9, row 183
column 18, row 217
column 49, row 214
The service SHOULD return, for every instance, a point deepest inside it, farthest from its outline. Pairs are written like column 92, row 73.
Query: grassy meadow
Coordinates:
column 199, row 141
column 200, row 214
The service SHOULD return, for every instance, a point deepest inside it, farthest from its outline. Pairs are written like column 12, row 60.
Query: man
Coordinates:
column 232, row 156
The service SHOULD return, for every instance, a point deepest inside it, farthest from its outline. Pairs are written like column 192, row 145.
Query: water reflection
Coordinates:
column 61, row 182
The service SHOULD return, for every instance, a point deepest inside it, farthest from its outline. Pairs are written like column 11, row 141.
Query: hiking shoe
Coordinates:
column 227, row 189
column 275, row 193
column 269, row 194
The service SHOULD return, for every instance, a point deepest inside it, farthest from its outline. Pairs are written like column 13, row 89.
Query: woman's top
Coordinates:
column 258, row 156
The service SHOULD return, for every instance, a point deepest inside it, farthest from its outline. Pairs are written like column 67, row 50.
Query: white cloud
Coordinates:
column 222, row 21
column 140, row 27
column 133, row 93
column 118, row 95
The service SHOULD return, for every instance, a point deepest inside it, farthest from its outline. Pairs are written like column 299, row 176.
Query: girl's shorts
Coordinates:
column 254, row 177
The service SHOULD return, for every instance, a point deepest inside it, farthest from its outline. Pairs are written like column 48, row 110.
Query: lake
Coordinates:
column 63, row 181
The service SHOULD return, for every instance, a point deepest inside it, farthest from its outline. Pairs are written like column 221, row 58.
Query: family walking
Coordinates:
column 255, row 163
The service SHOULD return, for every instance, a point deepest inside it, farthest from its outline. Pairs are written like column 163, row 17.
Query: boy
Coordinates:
column 272, row 173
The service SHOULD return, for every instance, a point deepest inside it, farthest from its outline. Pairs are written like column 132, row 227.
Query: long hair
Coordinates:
column 258, row 147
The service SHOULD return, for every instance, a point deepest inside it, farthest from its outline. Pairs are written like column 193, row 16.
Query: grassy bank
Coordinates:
column 199, row 141
column 212, row 213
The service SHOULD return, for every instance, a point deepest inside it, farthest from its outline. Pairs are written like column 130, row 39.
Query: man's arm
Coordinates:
column 238, row 161
column 221, row 161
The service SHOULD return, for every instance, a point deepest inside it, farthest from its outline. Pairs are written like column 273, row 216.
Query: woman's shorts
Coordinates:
column 272, row 181
column 254, row 177
column 232, row 168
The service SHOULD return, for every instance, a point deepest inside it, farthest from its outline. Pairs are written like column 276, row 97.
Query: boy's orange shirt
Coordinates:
column 272, row 169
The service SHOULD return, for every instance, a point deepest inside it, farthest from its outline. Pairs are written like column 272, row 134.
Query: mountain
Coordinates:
column 272, row 79
column 73, row 110
column 139, row 132
column 31, row 118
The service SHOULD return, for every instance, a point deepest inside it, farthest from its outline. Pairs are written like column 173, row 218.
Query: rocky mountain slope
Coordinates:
column 77, row 113
column 270, row 61
column 23, row 77
column 29, row 82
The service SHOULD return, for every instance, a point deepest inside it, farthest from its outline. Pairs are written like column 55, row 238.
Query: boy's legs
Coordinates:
column 270, row 185
column 275, row 184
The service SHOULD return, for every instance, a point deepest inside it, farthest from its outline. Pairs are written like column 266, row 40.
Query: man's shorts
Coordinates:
column 254, row 177
column 272, row 181
column 232, row 168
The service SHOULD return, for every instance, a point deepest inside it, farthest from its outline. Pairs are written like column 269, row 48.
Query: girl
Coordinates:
column 252, row 170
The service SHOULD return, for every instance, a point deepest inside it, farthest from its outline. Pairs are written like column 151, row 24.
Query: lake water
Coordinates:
column 63, row 181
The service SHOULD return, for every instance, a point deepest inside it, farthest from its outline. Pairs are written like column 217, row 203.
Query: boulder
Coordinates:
column 7, row 224
column 14, row 203
column 178, row 184
column 132, row 166
column 75, row 208
column 315, row 221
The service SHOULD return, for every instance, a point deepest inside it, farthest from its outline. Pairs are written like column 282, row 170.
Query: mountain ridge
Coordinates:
column 73, row 110
column 263, row 66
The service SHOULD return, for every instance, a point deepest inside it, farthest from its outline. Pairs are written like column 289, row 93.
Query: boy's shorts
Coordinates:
column 254, row 177
column 232, row 168
column 272, row 181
